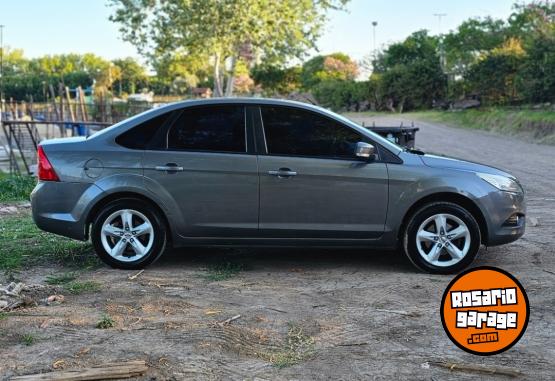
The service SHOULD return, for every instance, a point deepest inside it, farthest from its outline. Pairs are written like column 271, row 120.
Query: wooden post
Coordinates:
column 53, row 96
column 70, row 108
column 82, row 104
column 32, row 127
column 100, row 106
column 30, row 107
column 13, row 109
column 71, row 113
column 61, row 94
column 56, row 112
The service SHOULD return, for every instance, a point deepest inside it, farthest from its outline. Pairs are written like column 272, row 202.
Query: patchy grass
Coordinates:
column 105, row 322
column 297, row 348
column 23, row 244
column 3, row 315
column 60, row 279
column 223, row 271
column 16, row 188
column 71, row 285
column 538, row 125
column 28, row 339
column 77, row 288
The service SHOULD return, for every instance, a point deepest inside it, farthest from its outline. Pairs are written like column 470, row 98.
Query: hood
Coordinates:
column 461, row 165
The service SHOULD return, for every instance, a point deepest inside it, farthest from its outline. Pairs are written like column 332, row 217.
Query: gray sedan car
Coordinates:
column 267, row 172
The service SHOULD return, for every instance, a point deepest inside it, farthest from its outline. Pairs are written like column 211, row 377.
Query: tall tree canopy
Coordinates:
column 228, row 30
column 336, row 66
column 409, row 73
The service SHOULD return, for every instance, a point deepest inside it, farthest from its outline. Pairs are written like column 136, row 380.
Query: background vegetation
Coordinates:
column 498, row 62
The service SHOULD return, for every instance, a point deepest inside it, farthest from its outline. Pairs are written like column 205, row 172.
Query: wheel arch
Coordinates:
column 454, row 198
column 101, row 203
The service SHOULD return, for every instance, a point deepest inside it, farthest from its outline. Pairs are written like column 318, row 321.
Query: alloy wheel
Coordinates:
column 127, row 235
column 443, row 240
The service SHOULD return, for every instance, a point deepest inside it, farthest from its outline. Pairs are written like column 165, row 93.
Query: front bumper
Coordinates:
column 498, row 208
column 61, row 208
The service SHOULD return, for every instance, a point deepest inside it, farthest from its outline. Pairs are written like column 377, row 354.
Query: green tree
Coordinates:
column 276, row 80
column 133, row 75
column 226, row 30
column 416, row 47
column 536, row 77
column 14, row 62
column 409, row 73
column 178, row 72
column 471, row 39
column 528, row 21
column 336, row 66
column 494, row 76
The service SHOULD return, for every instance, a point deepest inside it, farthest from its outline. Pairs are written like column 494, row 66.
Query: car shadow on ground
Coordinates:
column 286, row 258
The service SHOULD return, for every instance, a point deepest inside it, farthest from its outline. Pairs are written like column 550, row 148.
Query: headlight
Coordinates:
column 503, row 183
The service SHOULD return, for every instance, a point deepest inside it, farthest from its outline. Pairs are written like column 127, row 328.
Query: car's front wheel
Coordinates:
column 442, row 237
column 129, row 234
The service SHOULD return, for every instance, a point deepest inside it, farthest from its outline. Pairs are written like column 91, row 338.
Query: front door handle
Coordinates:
column 170, row 167
column 283, row 172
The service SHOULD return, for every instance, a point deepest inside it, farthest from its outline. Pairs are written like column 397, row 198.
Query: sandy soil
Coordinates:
column 339, row 314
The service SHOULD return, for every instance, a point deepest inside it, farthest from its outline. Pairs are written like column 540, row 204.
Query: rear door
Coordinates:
column 311, row 183
column 204, row 166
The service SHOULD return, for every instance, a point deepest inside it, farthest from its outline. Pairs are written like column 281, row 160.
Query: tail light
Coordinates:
column 45, row 169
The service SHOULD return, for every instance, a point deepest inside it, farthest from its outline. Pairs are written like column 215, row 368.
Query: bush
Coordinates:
column 343, row 95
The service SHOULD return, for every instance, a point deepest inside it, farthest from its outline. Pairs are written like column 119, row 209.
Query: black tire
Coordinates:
column 158, row 227
column 427, row 211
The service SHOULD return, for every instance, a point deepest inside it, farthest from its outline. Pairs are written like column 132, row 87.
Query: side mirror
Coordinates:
column 365, row 150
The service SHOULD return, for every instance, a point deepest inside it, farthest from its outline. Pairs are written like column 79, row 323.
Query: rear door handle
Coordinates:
column 282, row 172
column 170, row 167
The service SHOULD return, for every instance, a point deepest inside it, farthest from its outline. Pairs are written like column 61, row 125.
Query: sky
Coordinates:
column 42, row 27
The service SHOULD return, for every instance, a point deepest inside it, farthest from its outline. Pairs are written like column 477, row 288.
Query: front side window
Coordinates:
column 296, row 132
column 210, row 128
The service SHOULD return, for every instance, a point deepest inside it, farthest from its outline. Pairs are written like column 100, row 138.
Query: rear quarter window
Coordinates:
column 141, row 135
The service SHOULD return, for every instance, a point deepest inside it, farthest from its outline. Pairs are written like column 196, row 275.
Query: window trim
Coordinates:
column 180, row 113
column 354, row 158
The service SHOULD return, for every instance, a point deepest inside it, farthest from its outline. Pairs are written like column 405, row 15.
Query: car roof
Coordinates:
column 242, row 100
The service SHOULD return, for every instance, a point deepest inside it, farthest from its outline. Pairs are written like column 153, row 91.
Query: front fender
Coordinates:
column 410, row 184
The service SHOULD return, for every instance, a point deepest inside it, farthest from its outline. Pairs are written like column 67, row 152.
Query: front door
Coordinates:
column 311, row 183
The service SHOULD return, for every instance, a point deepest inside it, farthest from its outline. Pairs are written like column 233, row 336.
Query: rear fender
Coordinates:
column 127, row 185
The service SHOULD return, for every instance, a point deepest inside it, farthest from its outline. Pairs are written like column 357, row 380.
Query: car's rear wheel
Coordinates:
column 129, row 234
column 442, row 237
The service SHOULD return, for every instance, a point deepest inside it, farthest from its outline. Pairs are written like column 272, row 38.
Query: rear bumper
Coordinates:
column 499, row 207
column 61, row 208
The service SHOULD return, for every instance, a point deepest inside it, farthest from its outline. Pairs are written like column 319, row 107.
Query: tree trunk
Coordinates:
column 389, row 105
column 401, row 105
column 231, row 78
column 218, row 92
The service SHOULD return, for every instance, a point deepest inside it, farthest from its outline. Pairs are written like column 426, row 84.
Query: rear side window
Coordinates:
column 140, row 136
column 210, row 128
column 297, row 132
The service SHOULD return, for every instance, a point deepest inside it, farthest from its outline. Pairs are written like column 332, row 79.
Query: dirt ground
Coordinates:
column 305, row 314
